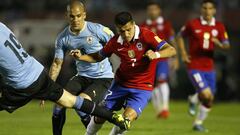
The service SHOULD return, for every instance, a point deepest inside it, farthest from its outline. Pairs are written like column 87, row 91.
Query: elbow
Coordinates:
column 173, row 51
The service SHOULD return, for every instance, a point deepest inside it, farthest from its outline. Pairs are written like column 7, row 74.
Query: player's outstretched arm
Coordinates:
column 183, row 52
column 220, row 45
column 92, row 58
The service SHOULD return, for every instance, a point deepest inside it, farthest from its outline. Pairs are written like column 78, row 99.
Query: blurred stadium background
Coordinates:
column 36, row 23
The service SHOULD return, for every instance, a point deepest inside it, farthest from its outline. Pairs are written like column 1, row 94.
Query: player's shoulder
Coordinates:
column 64, row 33
column 143, row 31
column 219, row 23
column 4, row 28
column 92, row 26
column 194, row 21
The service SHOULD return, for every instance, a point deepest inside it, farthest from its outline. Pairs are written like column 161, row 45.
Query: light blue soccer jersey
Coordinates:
column 90, row 40
column 19, row 70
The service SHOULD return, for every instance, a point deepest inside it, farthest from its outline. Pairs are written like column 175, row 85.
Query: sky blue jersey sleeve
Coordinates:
column 59, row 48
column 103, row 33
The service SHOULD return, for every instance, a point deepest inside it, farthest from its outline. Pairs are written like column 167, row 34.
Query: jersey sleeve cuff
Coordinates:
column 161, row 44
column 226, row 41
column 102, row 54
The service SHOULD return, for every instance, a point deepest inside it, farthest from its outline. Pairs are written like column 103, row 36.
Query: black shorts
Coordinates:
column 94, row 88
column 43, row 88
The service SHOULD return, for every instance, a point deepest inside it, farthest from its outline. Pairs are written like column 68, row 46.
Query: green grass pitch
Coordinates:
column 224, row 119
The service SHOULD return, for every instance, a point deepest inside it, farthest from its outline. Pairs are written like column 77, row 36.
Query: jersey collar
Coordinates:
column 136, row 36
column 204, row 22
column 84, row 26
column 159, row 20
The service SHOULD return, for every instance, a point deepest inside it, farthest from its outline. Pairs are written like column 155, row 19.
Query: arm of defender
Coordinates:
column 91, row 58
column 55, row 68
column 53, row 73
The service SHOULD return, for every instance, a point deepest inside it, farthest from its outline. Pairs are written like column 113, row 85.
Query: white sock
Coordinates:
column 156, row 99
column 117, row 131
column 194, row 98
column 165, row 92
column 93, row 127
column 202, row 114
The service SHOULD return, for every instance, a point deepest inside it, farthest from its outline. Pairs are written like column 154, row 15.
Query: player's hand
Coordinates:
column 186, row 58
column 217, row 42
column 75, row 53
column 42, row 103
column 151, row 54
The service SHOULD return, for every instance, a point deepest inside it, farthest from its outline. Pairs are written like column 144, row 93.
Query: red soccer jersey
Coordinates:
column 161, row 27
column 201, row 48
column 135, row 70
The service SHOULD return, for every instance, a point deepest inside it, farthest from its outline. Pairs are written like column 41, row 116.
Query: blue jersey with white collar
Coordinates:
column 18, row 69
column 91, row 39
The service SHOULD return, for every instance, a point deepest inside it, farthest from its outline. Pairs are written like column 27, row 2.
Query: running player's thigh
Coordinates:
column 137, row 100
column 198, row 80
column 98, row 89
column 211, row 79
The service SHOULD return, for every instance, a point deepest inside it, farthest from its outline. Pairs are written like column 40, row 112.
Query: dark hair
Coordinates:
column 123, row 18
column 150, row 3
column 210, row 1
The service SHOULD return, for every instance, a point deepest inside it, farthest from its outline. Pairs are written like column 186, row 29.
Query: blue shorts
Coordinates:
column 162, row 71
column 121, row 97
column 202, row 80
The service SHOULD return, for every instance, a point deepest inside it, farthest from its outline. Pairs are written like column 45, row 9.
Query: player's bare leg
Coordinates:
column 206, row 99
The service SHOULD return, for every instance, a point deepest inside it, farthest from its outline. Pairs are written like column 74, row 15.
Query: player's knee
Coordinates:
column 206, row 97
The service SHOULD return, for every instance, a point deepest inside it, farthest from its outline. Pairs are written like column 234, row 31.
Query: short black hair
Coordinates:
column 150, row 3
column 123, row 18
column 210, row 1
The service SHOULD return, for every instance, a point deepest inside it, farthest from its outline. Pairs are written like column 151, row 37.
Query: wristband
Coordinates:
column 158, row 55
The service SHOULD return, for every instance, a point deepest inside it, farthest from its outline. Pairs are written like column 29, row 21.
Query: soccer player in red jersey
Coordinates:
column 134, row 79
column 204, row 35
column 163, row 28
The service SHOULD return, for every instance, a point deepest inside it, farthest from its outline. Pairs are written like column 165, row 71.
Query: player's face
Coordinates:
column 153, row 11
column 76, row 16
column 127, row 31
column 208, row 11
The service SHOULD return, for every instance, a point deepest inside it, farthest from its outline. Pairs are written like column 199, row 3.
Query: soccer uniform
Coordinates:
column 134, row 78
column 164, row 30
column 23, row 76
column 201, row 50
column 92, row 78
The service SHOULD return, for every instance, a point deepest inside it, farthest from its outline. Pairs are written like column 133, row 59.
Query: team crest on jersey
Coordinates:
column 214, row 32
column 89, row 39
column 131, row 53
column 206, row 35
column 139, row 46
